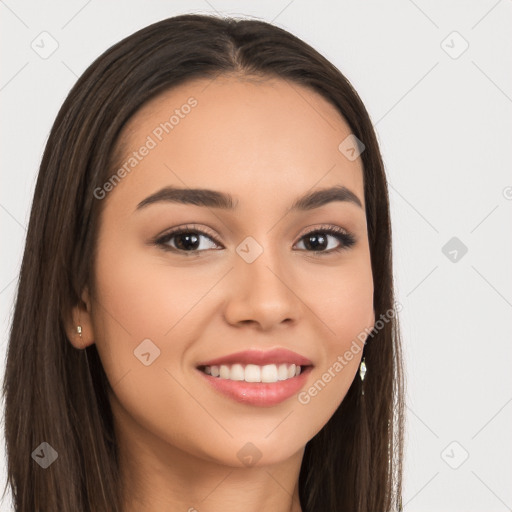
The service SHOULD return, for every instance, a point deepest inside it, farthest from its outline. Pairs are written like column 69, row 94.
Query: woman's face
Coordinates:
column 242, row 278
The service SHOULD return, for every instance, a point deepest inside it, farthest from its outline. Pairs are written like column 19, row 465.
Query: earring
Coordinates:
column 79, row 332
column 362, row 373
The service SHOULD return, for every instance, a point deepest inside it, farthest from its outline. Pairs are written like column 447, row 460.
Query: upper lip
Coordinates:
column 260, row 358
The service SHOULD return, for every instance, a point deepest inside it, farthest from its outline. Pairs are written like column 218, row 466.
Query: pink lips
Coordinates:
column 263, row 394
column 261, row 358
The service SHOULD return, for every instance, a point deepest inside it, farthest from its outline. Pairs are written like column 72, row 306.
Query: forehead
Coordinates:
column 242, row 136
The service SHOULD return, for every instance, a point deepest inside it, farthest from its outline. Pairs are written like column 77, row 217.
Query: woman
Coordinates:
column 205, row 316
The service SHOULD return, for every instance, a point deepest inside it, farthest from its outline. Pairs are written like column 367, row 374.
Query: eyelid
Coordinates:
column 323, row 227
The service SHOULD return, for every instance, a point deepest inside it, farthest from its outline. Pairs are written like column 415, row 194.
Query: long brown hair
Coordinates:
column 59, row 395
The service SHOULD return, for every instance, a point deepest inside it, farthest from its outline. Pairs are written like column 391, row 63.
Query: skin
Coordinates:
column 266, row 143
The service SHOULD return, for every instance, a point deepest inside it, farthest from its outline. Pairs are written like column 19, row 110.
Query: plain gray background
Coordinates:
column 437, row 82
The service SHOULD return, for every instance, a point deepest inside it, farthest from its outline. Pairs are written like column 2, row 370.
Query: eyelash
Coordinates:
column 346, row 239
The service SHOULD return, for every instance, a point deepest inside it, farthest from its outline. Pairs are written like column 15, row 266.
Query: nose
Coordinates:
column 263, row 294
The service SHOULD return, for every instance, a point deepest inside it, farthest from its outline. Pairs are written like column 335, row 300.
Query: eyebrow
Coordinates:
column 215, row 199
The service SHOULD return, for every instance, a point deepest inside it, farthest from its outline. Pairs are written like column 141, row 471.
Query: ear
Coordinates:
column 81, row 316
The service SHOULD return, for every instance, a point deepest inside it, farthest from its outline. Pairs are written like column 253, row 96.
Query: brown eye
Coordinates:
column 320, row 240
column 187, row 240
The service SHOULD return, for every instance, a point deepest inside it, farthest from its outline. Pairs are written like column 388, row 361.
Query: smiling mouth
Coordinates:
column 254, row 373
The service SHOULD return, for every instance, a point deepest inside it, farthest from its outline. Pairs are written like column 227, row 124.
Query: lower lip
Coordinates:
column 263, row 394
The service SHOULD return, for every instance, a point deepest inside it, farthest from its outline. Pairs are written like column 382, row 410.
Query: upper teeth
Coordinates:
column 253, row 372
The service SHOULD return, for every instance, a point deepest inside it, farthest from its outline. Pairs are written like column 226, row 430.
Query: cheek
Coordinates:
column 138, row 301
column 144, row 295
column 142, row 326
column 348, row 309
column 343, row 301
